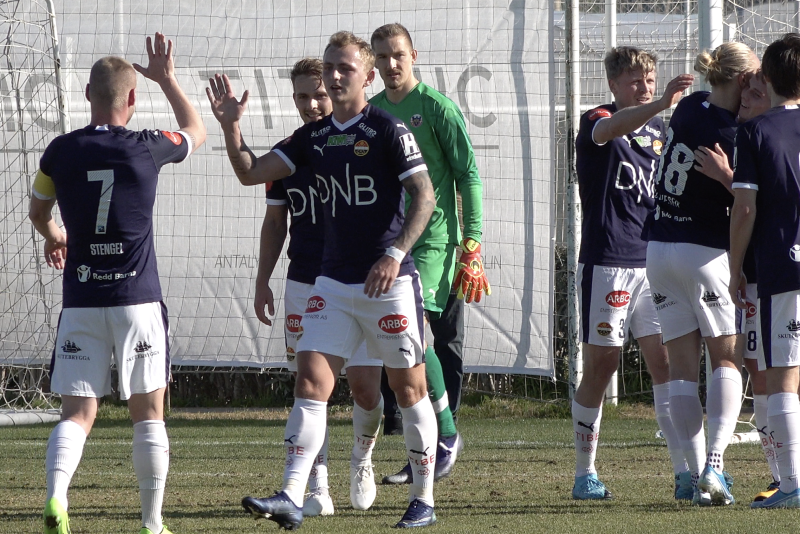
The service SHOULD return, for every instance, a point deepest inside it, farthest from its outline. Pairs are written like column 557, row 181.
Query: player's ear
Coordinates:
column 370, row 78
column 88, row 99
column 413, row 56
column 132, row 97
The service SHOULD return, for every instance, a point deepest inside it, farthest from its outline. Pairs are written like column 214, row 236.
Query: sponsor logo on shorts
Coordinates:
column 658, row 298
column 142, row 350
column 361, row 148
column 142, row 346
column 794, row 253
column 393, row 324
column 290, row 354
column 70, row 347
column 293, row 323
column 713, row 300
column 315, row 304
column 299, row 332
column 416, row 120
column 83, row 273
column 793, row 326
column 604, row 329
column 618, row 299
column 752, row 310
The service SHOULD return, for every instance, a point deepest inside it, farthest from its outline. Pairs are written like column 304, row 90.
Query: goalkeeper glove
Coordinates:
column 470, row 280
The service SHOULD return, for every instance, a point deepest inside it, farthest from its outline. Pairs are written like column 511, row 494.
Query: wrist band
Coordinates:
column 396, row 253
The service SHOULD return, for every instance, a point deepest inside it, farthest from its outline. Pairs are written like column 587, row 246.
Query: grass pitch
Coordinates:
column 514, row 475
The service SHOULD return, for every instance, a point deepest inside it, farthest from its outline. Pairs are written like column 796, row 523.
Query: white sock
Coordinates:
column 64, row 451
column 723, row 404
column 366, row 425
column 318, row 479
column 151, row 464
column 686, row 412
column 421, row 435
column 303, row 438
column 784, row 420
column 586, row 427
column 661, row 402
column 762, row 425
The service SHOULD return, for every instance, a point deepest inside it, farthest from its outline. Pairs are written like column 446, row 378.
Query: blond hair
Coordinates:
column 344, row 38
column 110, row 81
column 628, row 58
column 724, row 63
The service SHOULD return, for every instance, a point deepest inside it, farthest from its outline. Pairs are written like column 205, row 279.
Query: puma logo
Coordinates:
column 421, row 453
column 584, row 425
column 320, row 149
column 289, row 439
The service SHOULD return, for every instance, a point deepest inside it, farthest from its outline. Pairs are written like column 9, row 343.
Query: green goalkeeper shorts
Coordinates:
column 436, row 265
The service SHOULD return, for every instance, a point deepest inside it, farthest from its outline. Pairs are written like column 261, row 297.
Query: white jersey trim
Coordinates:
column 188, row 139
column 286, row 160
column 744, row 185
column 348, row 124
column 414, row 170
column 595, row 126
column 275, row 202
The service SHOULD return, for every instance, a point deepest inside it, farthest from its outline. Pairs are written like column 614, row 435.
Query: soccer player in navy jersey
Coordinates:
column 687, row 265
column 617, row 149
column 766, row 184
column 713, row 162
column 365, row 162
column 104, row 179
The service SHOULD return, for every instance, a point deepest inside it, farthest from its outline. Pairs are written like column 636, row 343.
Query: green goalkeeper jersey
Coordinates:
column 441, row 133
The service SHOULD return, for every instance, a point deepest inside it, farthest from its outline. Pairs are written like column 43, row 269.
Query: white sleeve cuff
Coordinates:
column 188, row 139
column 744, row 185
column 595, row 126
column 286, row 160
column 409, row 172
column 275, row 202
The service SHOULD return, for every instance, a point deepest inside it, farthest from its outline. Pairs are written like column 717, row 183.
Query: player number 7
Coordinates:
column 107, row 177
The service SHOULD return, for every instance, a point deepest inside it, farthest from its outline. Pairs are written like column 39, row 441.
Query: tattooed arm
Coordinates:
column 383, row 274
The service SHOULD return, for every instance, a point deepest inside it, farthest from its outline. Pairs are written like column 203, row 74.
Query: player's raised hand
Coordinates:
column 675, row 88
column 55, row 252
column 264, row 299
column 470, row 281
column 226, row 107
column 160, row 67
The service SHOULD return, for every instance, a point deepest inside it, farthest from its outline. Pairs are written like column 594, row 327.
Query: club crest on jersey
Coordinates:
column 604, row 329
column 176, row 138
column 416, row 120
column 393, row 324
column 315, row 304
column 657, row 147
column 618, row 299
column 361, row 148
column 293, row 323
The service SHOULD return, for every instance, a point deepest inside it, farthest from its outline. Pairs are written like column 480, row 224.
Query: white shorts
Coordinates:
column 690, row 288
column 613, row 300
column 90, row 340
column 780, row 329
column 752, row 346
column 295, row 301
column 340, row 317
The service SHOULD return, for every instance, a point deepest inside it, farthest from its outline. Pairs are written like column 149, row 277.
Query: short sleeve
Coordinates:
column 292, row 150
column 276, row 193
column 404, row 153
column 745, row 160
column 166, row 147
column 588, row 122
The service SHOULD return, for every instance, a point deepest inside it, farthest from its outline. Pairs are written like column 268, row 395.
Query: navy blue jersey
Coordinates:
column 615, row 181
column 359, row 167
column 767, row 153
column 690, row 206
column 306, row 238
column 105, row 185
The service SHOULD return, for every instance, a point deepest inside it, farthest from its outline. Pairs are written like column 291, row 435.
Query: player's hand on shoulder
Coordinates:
column 226, row 107
column 470, row 281
column 381, row 277
column 713, row 162
column 675, row 89
column 160, row 67
column 264, row 299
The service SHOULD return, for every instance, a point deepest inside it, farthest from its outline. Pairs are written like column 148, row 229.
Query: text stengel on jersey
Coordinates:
column 360, row 189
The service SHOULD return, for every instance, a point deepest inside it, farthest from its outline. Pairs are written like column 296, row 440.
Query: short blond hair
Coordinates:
column 344, row 38
column 110, row 81
column 624, row 59
column 724, row 63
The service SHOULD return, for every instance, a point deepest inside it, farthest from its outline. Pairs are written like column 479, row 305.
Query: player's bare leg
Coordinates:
column 657, row 359
column 599, row 365
column 367, row 411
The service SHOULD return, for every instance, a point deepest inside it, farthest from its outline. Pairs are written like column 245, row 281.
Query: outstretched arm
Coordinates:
column 383, row 274
column 161, row 69
column 228, row 110
column 629, row 119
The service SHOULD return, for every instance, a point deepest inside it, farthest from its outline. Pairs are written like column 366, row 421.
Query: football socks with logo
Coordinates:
column 686, row 413
column 783, row 410
column 151, row 464
column 366, row 425
column 318, row 479
column 438, row 394
column 661, row 402
column 419, row 432
column 586, row 426
column 303, row 438
column 64, row 451
column 762, row 425
column 722, row 409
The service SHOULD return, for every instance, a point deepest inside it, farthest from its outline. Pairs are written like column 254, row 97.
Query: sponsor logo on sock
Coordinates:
column 421, row 453
column 290, row 439
column 589, row 426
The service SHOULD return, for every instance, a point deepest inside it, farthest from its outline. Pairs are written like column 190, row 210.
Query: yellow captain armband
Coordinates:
column 43, row 186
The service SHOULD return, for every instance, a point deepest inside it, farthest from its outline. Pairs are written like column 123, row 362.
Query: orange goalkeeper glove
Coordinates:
column 470, row 280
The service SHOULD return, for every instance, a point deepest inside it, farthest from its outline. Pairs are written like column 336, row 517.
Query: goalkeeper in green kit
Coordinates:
column 440, row 131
